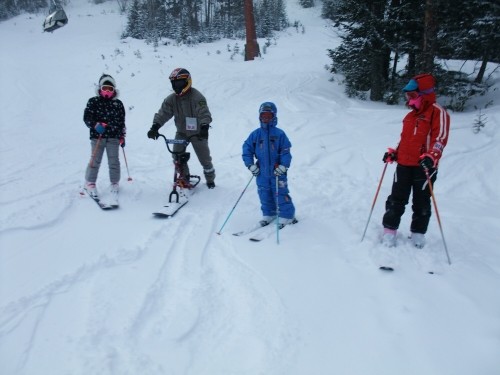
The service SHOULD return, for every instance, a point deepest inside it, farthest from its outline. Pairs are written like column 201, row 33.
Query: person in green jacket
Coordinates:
column 191, row 116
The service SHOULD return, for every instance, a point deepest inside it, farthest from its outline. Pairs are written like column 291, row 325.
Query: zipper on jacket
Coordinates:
column 269, row 147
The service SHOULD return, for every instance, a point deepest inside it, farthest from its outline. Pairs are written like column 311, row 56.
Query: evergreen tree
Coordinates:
column 470, row 32
column 376, row 33
column 12, row 8
column 192, row 21
column 8, row 10
column 365, row 45
column 31, row 6
column 133, row 28
column 270, row 17
column 351, row 60
column 306, row 3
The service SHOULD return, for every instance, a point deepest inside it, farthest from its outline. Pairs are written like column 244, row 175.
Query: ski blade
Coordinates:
column 252, row 229
column 386, row 268
column 269, row 230
column 113, row 200
column 266, row 232
column 247, row 231
column 102, row 205
column 169, row 210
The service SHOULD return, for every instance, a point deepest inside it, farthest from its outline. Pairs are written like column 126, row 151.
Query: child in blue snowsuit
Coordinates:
column 271, row 147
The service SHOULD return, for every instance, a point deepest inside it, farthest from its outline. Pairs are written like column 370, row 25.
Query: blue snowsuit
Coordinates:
column 271, row 147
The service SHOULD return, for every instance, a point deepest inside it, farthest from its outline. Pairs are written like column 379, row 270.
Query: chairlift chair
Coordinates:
column 55, row 20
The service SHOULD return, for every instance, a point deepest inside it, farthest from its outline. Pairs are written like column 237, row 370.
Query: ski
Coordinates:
column 171, row 208
column 268, row 231
column 178, row 199
column 251, row 229
column 386, row 268
column 387, row 264
column 113, row 202
column 390, row 269
column 102, row 205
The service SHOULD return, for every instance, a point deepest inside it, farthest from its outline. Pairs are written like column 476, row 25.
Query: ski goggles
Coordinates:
column 265, row 117
column 107, row 88
column 412, row 95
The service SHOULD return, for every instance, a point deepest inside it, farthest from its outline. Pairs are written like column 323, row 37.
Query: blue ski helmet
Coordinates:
column 265, row 109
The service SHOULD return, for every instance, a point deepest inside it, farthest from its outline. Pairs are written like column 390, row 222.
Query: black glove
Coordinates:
column 153, row 132
column 426, row 161
column 122, row 142
column 390, row 156
column 203, row 134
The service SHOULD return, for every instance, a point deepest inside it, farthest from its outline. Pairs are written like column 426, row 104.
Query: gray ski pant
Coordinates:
column 202, row 151
column 112, row 146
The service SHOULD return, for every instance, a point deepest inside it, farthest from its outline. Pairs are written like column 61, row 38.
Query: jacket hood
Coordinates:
column 108, row 80
column 268, row 107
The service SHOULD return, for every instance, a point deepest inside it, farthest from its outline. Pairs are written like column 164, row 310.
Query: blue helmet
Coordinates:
column 268, row 107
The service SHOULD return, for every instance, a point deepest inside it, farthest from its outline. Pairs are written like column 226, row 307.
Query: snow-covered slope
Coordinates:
column 84, row 291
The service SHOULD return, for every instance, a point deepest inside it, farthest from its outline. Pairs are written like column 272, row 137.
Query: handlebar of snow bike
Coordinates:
column 183, row 142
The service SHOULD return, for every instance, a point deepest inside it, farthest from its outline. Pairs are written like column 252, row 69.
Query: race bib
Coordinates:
column 191, row 124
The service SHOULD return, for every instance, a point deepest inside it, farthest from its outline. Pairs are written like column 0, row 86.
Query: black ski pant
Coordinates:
column 406, row 180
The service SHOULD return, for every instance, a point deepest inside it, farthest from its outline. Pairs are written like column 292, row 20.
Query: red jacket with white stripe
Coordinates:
column 424, row 131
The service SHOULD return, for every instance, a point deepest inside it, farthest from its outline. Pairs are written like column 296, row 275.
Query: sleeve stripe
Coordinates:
column 443, row 124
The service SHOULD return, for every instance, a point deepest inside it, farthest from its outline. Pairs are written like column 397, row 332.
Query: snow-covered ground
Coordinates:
column 84, row 291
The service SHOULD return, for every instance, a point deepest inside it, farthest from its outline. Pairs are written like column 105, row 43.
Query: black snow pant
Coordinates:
column 407, row 179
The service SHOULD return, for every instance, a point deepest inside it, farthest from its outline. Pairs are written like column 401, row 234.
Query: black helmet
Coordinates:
column 180, row 79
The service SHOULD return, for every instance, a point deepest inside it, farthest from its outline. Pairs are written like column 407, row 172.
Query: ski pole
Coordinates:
column 94, row 152
column 374, row 200
column 437, row 213
column 231, row 212
column 277, row 213
column 126, row 164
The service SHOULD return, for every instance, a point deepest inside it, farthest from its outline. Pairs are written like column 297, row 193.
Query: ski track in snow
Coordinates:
column 196, row 270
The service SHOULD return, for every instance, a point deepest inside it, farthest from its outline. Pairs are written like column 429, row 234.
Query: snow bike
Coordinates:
column 177, row 199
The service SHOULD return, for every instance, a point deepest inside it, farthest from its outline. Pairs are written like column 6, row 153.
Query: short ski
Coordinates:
column 171, row 208
column 177, row 198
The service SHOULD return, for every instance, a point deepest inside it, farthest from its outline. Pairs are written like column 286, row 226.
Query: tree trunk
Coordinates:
column 394, row 71
column 482, row 70
column 411, row 66
column 377, row 81
column 430, row 36
column 251, row 46
column 378, row 56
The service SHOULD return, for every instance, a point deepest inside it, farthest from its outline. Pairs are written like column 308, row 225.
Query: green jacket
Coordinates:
column 189, row 111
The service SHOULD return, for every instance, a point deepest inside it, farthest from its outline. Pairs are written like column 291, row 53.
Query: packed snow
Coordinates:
column 85, row 291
